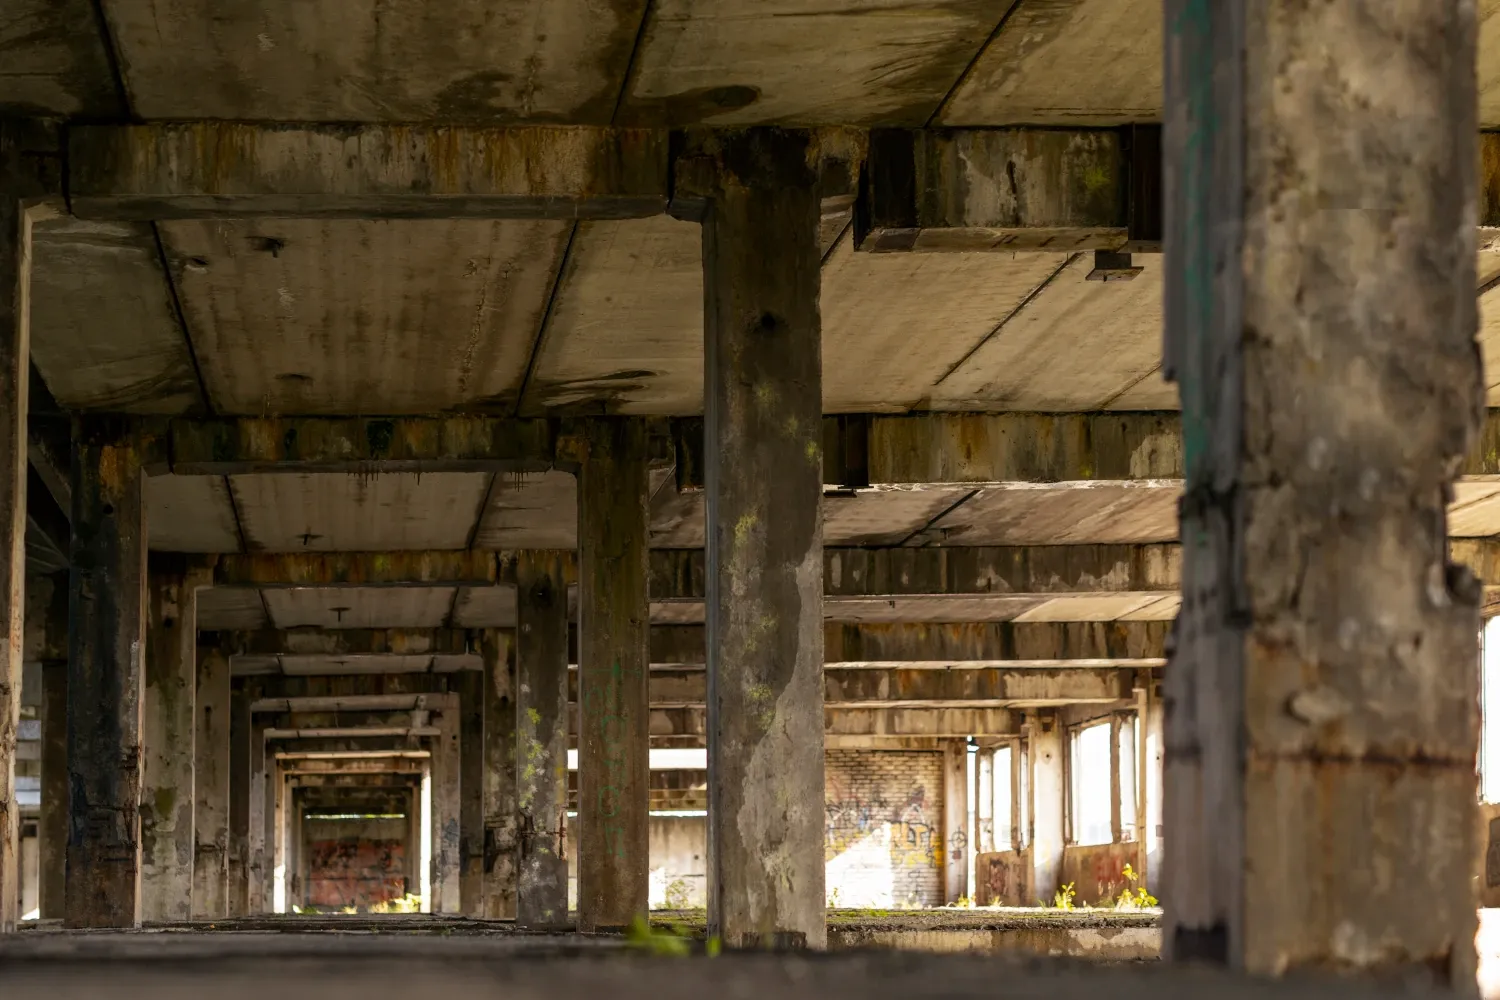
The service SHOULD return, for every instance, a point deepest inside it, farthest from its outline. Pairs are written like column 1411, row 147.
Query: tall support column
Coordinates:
column 240, row 696
column 15, row 373
column 262, row 815
column 211, row 783
column 542, row 739
column 498, row 654
column 470, row 685
column 168, row 780
column 447, row 792
column 614, row 621
column 1048, row 798
column 955, row 841
column 105, row 650
column 1320, row 183
column 47, row 605
column 763, row 408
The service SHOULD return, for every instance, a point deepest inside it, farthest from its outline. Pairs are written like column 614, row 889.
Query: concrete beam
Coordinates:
column 351, row 732
column 956, row 686
column 964, row 190
column 431, row 568
column 690, row 721
column 345, row 703
column 342, row 642
column 361, row 444
column 208, row 170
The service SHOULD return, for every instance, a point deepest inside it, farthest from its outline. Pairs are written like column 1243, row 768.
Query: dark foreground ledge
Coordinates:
column 359, row 966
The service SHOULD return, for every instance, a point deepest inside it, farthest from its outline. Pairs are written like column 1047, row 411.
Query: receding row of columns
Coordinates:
column 149, row 717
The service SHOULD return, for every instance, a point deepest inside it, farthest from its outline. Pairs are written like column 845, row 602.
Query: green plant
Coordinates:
column 1136, row 898
column 642, row 936
column 833, row 898
column 405, row 904
column 678, row 894
column 1063, row 898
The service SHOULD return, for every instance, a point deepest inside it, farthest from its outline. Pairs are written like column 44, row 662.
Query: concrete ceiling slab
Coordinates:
column 1489, row 63
column 53, row 61
column 376, row 60
column 1092, row 608
column 626, row 334
column 1075, row 346
column 733, row 62
column 884, row 517
column 1066, row 62
column 1164, row 609
column 362, row 607
column 930, row 608
column 1475, row 511
column 485, row 607
column 104, row 333
column 894, row 325
column 284, row 512
column 295, row 316
column 1063, row 515
column 231, row 608
column 190, row 514
column 534, row 511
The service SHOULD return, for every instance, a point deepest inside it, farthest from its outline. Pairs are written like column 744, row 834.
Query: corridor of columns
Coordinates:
column 546, row 478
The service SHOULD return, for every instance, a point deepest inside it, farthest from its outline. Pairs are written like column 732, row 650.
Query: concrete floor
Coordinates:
column 165, row 966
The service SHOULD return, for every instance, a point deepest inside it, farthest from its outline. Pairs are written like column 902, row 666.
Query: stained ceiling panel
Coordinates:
column 296, row 316
column 331, row 512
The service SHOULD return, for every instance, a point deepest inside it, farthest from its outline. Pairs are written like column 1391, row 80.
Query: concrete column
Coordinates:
column 542, row 739
column 763, row 422
column 54, row 818
column 52, row 830
column 1320, row 191
column 955, row 843
column 446, row 797
column 498, row 655
column 262, row 815
column 168, row 779
column 211, row 784
column 105, row 652
column 278, row 830
column 470, row 686
column 614, row 621
column 1045, row 733
column 240, row 695
column 1155, row 746
column 15, row 373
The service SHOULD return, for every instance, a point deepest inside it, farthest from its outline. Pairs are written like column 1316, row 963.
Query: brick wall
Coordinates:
column 884, row 828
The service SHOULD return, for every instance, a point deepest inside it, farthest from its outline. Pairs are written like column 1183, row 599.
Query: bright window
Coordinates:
column 1091, row 789
column 1004, row 817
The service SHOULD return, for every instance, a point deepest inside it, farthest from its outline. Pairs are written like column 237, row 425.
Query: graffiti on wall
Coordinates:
column 360, row 873
column 883, row 851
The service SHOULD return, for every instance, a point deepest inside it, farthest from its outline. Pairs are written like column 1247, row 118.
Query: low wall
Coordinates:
column 1004, row 878
column 1098, row 873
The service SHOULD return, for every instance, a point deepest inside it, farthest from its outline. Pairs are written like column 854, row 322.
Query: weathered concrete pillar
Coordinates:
column 105, row 669
column 1045, row 735
column 54, row 817
column 447, row 793
column 211, row 784
column 278, row 824
column 542, row 739
column 1155, row 747
column 168, row 780
column 470, row 688
column 498, row 654
column 614, row 621
column 1320, row 184
column 955, row 840
column 15, row 373
column 763, row 418
column 262, row 816
column 47, row 598
column 241, row 693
